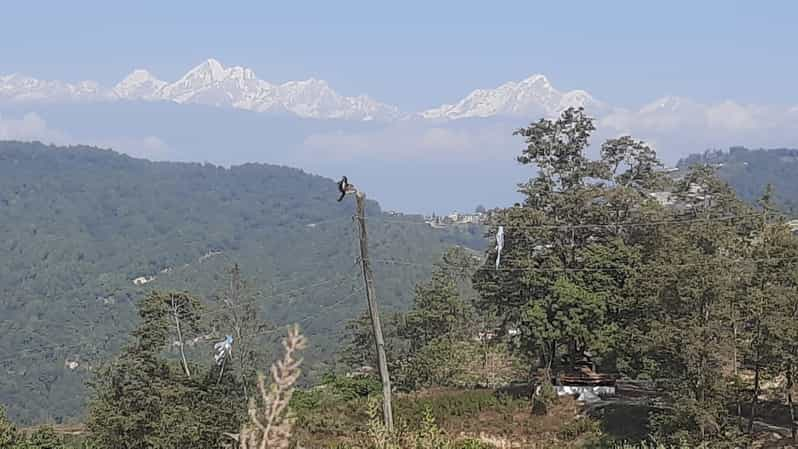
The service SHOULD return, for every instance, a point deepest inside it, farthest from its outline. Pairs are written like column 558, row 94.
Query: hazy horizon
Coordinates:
column 387, row 95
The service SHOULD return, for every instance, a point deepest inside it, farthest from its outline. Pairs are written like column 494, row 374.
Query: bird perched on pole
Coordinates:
column 344, row 187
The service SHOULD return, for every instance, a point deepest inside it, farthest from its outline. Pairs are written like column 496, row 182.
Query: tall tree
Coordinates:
column 687, row 286
column 239, row 316
column 184, row 313
column 439, row 311
column 141, row 399
column 566, row 250
column 771, row 311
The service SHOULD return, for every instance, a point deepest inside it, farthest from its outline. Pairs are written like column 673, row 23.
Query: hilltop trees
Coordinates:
column 690, row 294
column 238, row 315
column 94, row 220
column 566, row 257
column 144, row 400
column 438, row 312
column 437, row 342
column 772, row 308
column 41, row 438
column 438, row 326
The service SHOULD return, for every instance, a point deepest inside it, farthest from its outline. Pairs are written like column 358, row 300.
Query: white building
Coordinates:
column 141, row 280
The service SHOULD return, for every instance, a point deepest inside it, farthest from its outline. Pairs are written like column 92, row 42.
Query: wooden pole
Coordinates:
column 368, row 278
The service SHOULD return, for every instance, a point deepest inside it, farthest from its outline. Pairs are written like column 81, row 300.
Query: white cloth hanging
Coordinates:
column 223, row 349
column 499, row 245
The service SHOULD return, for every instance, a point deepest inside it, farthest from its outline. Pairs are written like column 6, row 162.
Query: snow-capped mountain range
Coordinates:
column 213, row 84
column 532, row 95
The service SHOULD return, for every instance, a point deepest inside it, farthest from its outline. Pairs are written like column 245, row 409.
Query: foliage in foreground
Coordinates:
column 271, row 421
column 42, row 438
column 143, row 400
column 691, row 292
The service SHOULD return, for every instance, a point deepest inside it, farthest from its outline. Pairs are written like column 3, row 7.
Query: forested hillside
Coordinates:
column 749, row 171
column 78, row 225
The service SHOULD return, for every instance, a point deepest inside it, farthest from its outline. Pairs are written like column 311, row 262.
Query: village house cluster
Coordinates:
column 456, row 218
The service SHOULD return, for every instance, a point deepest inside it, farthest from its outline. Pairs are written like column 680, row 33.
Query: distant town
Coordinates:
column 457, row 218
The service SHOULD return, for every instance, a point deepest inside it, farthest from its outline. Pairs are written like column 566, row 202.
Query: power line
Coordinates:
column 573, row 270
column 343, row 278
column 331, row 220
column 595, row 225
column 26, row 352
column 318, row 315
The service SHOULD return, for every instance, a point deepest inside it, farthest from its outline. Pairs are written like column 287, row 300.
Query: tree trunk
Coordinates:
column 702, row 383
column 180, row 339
column 734, row 347
column 235, row 300
column 790, row 380
column 736, row 378
column 241, row 367
column 755, row 396
column 551, row 350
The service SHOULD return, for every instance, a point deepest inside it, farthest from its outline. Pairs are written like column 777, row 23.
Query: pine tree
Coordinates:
column 687, row 285
column 239, row 318
column 772, row 312
column 144, row 400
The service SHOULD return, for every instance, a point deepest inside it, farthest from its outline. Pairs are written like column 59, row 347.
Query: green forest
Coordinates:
column 80, row 224
column 749, row 171
column 690, row 305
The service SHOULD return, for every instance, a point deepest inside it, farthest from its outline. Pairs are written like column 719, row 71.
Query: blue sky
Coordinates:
column 734, row 62
column 419, row 54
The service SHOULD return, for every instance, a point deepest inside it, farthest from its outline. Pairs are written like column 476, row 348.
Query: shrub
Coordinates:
column 544, row 399
column 577, row 428
column 348, row 388
column 8, row 432
column 454, row 403
column 471, row 443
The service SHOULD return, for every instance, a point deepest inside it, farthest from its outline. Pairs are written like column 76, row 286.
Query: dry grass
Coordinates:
column 271, row 421
column 459, row 415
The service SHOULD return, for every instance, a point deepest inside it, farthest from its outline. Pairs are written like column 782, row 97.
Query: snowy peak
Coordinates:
column 532, row 96
column 140, row 84
column 240, row 73
column 209, row 83
column 18, row 87
column 212, row 83
column 535, row 82
column 197, row 81
column 211, row 69
column 204, row 74
column 139, row 76
column 668, row 104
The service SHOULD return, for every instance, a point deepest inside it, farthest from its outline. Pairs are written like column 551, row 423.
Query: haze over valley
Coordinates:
column 228, row 115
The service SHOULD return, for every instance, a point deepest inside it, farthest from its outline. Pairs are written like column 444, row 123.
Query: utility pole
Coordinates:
column 368, row 278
